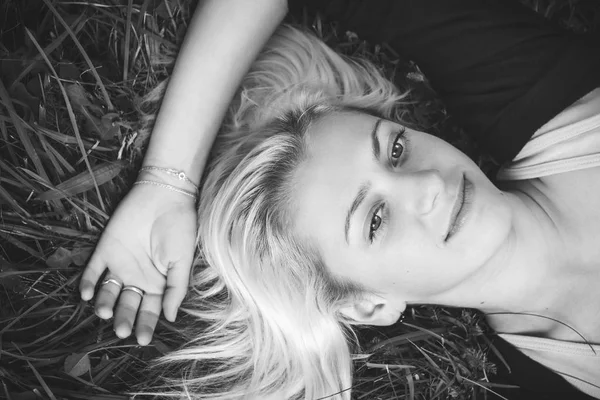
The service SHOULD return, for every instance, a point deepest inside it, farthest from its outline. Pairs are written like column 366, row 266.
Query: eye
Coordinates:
column 376, row 222
column 397, row 147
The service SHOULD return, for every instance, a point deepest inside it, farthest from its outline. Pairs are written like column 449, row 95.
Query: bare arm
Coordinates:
column 223, row 39
column 149, row 240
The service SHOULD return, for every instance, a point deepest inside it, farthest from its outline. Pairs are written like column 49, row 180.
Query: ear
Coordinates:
column 372, row 310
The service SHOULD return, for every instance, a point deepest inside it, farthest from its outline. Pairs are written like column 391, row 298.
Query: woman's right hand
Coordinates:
column 148, row 243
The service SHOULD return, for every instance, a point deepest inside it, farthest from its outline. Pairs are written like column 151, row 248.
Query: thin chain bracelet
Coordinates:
column 164, row 185
column 179, row 174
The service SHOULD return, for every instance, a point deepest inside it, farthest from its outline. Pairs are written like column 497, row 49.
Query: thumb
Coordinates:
column 178, row 278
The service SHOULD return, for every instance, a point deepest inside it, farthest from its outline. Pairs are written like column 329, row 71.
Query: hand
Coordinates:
column 148, row 243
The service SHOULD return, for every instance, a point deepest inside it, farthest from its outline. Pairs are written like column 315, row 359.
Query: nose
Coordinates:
column 422, row 190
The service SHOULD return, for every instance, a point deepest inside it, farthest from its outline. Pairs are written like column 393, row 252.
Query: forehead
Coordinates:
column 338, row 160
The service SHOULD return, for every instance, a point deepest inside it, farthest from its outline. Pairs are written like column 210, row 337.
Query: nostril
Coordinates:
column 435, row 201
column 429, row 186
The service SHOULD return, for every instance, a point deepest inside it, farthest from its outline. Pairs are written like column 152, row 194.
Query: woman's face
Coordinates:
column 378, row 207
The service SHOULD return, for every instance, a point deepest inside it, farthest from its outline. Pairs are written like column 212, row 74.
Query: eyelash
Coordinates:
column 374, row 231
column 401, row 135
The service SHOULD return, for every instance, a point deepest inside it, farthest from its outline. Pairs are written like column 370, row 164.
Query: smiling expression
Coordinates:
column 377, row 200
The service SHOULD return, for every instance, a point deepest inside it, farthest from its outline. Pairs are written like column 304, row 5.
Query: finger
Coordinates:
column 93, row 271
column 107, row 296
column 127, row 309
column 147, row 318
column 177, row 286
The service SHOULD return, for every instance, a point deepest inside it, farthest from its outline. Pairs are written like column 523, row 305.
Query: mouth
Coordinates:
column 460, row 209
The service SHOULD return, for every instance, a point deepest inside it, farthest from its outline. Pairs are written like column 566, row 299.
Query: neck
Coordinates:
column 527, row 275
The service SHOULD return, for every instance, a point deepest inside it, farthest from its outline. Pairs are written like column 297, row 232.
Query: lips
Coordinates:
column 460, row 198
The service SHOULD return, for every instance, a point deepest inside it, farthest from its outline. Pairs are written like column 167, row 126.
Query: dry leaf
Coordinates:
column 60, row 259
column 79, row 255
column 78, row 96
column 77, row 364
column 83, row 182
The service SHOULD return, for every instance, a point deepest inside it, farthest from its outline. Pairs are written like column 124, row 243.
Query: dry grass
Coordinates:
column 71, row 137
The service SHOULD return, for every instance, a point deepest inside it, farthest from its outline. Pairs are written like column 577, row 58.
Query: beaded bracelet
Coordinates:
column 179, row 174
column 170, row 187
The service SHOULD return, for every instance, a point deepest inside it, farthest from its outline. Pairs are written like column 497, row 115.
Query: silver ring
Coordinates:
column 112, row 280
column 134, row 289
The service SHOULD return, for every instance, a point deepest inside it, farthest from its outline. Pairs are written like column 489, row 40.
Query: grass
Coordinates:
column 72, row 132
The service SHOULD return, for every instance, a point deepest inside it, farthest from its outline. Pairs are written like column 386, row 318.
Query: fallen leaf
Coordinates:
column 82, row 101
column 80, row 255
column 83, row 181
column 78, row 96
column 60, row 259
column 110, row 130
column 77, row 364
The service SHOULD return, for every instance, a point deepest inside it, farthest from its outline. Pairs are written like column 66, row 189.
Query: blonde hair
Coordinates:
column 262, row 309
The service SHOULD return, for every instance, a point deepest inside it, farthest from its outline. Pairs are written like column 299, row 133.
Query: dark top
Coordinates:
column 503, row 71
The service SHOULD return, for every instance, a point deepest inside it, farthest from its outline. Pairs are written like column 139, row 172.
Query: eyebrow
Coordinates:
column 375, row 140
column 364, row 189
column 360, row 197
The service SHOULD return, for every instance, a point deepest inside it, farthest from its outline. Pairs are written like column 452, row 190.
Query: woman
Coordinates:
column 322, row 210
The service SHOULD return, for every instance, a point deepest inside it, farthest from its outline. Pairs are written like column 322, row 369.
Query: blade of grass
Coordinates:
column 34, row 306
column 70, row 111
column 39, row 377
column 172, row 19
column 126, row 48
column 59, row 157
column 77, row 26
column 6, row 392
column 28, row 358
column 86, row 215
column 55, row 331
column 57, row 167
column 58, row 206
column 368, row 394
column 84, row 206
column 17, row 243
column 83, row 182
column 4, row 132
column 68, row 232
column 4, row 194
column 484, row 387
column 91, row 66
column 141, row 36
column 23, row 231
column 170, row 45
column 497, row 353
column 58, row 339
column 71, row 394
column 42, row 318
column 90, row 384
column 387, row 366
column 74, row 202
column 433, row 332
column 411, row 384
column 405, row 338
column 66, row 139
column 437, row 368
column 15, row 174
column 21, row 132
